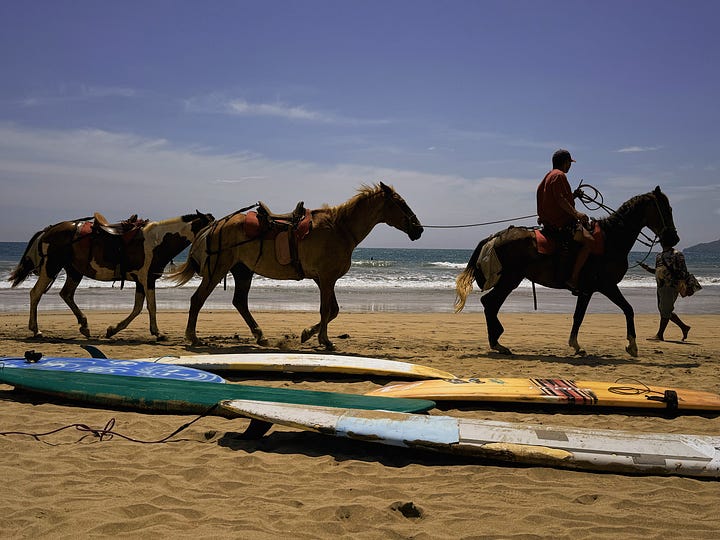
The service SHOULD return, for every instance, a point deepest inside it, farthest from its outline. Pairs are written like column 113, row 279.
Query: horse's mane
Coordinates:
column 617, row 217
column 335, row 213
column 186, row 218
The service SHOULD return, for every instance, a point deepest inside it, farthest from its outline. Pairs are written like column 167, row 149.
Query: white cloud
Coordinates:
column 633, row 149
column 217, row 103
column 242, row 107
column 51, row 175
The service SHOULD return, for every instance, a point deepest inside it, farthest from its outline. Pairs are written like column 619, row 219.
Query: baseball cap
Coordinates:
column 562, row 154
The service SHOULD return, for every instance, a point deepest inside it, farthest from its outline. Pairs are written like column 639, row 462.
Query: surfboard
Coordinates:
column 181, row 396
column 624, row 393
column 577, row 448
column 300, row 363
column 130, row 368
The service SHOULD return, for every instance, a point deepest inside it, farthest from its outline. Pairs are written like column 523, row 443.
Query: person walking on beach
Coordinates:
column 669, row 270
column 557, row 214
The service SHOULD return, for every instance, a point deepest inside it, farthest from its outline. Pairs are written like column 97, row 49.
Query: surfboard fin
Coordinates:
column 94, row 351
column 256, row 429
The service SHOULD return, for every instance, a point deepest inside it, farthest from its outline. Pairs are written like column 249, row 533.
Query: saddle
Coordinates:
column 265, row 224
column 549, row 243
column 281, row 221
column 117, row 236
column 122, row 228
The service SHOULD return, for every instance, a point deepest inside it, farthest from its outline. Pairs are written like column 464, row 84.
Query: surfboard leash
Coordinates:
column 106, row 433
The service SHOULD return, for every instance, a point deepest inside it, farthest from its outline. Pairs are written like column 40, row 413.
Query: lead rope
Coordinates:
column 478, row 224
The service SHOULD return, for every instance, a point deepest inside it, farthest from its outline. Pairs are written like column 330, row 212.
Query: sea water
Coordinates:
column 380, row 279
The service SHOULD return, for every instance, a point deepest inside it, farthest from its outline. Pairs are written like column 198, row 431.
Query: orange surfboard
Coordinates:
column 625, row 393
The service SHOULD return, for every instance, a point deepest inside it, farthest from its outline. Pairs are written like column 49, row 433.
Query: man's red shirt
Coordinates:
column 554, row 186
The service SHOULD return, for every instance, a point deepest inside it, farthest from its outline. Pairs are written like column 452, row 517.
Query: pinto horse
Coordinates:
column 517, row 252
column 105, row 253
column 324, row 255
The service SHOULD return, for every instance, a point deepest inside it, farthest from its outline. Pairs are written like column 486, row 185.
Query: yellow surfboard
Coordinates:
column 625, row 393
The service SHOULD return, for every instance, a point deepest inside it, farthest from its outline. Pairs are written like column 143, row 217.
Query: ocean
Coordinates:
column 380, row 280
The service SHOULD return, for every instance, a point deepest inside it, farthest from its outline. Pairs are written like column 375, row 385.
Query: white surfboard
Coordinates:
column 577, row 448
column 304, row 363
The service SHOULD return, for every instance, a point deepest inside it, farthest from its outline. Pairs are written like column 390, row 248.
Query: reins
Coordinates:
column 596, row 202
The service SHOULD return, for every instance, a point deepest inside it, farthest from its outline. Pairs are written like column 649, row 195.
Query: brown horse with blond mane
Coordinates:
column 323, row 255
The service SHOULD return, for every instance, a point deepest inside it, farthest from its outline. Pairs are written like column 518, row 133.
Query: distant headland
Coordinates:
column 708, row 247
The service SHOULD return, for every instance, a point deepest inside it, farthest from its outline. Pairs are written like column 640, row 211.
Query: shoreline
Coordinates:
column 282, row 299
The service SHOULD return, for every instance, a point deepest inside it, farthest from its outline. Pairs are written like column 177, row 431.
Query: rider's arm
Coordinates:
column 570, row 209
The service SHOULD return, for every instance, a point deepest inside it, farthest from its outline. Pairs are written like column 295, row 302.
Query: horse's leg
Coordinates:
column 581, row 305
column 310, row 331
column 137, row 308
column 197, row 300
column 152, row 310
column 329, row 309
column 243, row 280
column 616, row 297
column 43, row 282
column 492, row 302
column 67, row 293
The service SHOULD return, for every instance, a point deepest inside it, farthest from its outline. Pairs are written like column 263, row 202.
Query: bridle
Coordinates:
column 597, row 200
column 410, row 217
column 665, row 227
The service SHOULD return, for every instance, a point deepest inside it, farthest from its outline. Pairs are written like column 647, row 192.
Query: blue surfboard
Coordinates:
column 107, row 366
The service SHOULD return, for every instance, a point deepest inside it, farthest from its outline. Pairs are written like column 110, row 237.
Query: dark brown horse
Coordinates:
column 324, row 255
column 516, row 250
column 129, row 251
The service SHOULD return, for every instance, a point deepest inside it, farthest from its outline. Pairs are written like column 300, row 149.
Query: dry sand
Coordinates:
column 208, row 483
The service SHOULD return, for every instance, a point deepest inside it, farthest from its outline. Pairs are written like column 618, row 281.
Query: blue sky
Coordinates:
column 159, row 108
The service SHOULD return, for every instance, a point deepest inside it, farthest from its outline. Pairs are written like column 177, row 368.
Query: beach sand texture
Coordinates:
column 208, row 482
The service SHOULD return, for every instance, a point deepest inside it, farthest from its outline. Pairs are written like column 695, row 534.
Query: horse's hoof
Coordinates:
column 306, row 334
column 85, row 332
column 632, row 351
column 263, row 342
column 580, row 352
column 161, row 337
column 502, row 349
column 37, row 335
column 330, row 346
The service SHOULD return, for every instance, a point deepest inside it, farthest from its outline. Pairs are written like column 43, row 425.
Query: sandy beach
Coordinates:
column 207, row 482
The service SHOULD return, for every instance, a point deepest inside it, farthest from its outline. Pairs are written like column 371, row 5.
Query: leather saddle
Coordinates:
column 116, row 238
column 549, row 243
column 270, row 220
column 286, row 229
column 132, row 224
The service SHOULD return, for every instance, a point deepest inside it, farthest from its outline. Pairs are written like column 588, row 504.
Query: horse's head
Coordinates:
column 399, row 215
column 199, row 221
column 660, row 219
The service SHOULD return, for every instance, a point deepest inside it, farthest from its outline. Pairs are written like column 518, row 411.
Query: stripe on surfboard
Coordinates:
column 566, row 390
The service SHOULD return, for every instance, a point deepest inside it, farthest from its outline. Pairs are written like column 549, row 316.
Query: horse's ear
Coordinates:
column 388, row 190
column 657, row 190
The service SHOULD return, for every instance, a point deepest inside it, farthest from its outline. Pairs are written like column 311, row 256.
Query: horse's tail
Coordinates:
column 472, row 272
column 183, row 273
column 30, row 261
column 197, row 257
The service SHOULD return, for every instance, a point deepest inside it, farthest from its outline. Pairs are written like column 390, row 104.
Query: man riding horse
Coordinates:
column 558, row 216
